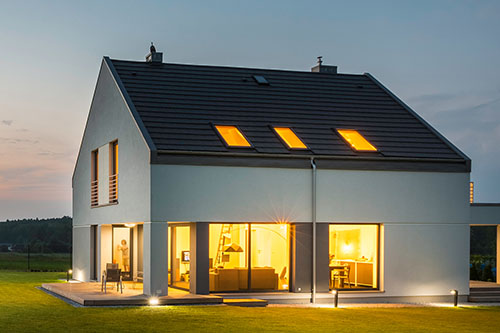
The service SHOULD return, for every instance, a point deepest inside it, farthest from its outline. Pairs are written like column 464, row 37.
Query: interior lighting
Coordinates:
column 356, row 140
column 232, row 136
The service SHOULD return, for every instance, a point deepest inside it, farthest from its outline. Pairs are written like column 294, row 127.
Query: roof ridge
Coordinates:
column 280, row 70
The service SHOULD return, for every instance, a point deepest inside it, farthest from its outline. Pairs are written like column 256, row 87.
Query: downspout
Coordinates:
column 313, row 213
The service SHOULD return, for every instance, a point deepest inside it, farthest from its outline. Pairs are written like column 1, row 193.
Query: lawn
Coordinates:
column 23, row 308
column 60, row 262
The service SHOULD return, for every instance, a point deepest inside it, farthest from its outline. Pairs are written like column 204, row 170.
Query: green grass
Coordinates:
column 59, row 262
column 23, row 308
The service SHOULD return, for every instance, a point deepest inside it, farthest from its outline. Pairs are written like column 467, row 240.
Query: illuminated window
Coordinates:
column 256, row 250
column 179, row 256
column 471, row 192
column 354, row 255
column 290, row 138
column 113, row 172
column 94, row 179
column 356, row 140
column 232, row 136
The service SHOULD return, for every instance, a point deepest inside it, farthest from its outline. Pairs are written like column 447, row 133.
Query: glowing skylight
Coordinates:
column 290, row 138
column 356, row 140
column 232, row 136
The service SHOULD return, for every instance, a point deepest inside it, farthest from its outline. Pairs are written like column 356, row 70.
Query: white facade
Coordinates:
column 424, row 216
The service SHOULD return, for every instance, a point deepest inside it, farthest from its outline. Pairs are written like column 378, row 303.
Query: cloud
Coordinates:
column 7, row 122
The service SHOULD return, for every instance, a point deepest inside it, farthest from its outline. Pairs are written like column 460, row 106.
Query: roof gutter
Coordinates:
column 307, row 157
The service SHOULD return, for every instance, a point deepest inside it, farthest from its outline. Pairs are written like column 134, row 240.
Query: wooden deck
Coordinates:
column 89, row 294
column 484, row 292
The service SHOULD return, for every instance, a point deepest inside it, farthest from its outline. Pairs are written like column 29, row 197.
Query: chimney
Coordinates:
column 153, row 56
column 320, row 68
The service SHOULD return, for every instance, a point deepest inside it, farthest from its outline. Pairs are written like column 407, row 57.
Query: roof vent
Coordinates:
column 153, row 56
column 320, row 68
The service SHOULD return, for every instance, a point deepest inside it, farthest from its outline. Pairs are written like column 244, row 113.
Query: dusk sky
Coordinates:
column 440, row 57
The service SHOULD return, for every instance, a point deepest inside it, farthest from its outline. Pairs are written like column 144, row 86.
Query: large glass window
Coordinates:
column 122, row 250
column 233, row 246
column 180, row 256
column 354, row 252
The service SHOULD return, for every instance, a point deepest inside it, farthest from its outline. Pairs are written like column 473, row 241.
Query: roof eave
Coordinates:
column 419, row 118
column 301, row 161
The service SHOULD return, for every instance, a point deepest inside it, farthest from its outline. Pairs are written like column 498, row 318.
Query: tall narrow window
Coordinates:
column 94, row 178
column 290, row 138
column 471, row 192
column 113, row 172
column 232, row 136
column 356, row 140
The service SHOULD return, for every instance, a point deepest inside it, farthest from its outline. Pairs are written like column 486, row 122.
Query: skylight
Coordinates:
column 232, row 136
column 261, row 80
column 356, row 140
column 290, row 138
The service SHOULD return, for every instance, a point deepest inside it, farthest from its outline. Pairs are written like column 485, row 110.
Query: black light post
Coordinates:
column 454, row 292
column 335, row 298
column 70, row 271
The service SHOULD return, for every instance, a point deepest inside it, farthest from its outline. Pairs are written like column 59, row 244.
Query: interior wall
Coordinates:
column 106, row 247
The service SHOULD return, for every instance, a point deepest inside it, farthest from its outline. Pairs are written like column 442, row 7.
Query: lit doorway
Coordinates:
column 179, row 257
column 122, row 250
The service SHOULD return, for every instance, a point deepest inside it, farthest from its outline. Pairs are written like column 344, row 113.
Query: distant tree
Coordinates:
column 42, row 235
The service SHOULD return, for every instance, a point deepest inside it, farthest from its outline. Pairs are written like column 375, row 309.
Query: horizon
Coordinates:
column 439, row 58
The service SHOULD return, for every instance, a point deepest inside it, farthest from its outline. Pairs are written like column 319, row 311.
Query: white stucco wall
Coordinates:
column 425, row 215
column 239, row 194
column 110, row 119
column 81, row 253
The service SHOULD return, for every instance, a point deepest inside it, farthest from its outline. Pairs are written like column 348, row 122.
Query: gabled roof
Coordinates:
column 178, row 106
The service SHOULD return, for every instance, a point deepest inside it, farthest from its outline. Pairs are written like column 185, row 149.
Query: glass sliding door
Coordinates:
column 228, row 257
column 122, row 250
column 269, row 257
column 179, row 258
column 233, row 246
column 354, row 256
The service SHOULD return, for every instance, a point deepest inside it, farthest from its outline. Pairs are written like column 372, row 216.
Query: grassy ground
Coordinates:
column 43, row 262
column 23, row 308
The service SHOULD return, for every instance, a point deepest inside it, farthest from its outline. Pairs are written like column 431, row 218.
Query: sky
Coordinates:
column 441, row 57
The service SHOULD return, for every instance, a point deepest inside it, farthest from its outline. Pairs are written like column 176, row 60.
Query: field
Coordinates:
column 23, row 308
column 59, row 262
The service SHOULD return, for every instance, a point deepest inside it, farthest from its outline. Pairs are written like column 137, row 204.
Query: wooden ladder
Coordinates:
column 226, row 229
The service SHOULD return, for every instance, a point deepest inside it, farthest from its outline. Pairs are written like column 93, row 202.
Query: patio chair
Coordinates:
column 112, row 274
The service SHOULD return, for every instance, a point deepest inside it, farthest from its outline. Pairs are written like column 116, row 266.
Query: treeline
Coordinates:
column 52, row 235
column 483, row 240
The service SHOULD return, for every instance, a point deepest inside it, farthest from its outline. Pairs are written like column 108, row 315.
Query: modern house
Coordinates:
column 230, row 180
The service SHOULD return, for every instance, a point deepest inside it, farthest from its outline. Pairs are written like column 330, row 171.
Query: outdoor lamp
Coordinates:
column 335, row 298
column 70, row 271
column 153, row 301
column 454, row 292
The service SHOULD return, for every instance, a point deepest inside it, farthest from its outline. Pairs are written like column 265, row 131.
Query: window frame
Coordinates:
column 221, row 137
column 337, row 129
column 379, row 245
column 273, row 128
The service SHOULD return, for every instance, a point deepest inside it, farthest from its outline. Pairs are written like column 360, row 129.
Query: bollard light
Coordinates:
column 454, row 292
column 70, row 271
column 154, row 301
column 335, row 298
